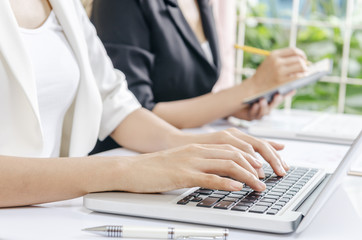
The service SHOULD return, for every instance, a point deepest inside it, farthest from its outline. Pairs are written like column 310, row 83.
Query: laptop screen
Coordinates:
column 354, row 152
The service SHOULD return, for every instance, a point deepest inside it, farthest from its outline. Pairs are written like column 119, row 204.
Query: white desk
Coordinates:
column 340, row 218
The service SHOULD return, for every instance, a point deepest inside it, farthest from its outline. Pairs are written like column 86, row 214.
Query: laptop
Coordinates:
column 305, row 125
column 289, row 203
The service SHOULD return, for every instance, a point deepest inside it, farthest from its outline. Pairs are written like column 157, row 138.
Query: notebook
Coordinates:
column 315, row 72
column 289, row 203
column 305, row 125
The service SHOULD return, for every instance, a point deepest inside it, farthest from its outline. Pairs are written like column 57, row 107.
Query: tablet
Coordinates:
column 315, row 72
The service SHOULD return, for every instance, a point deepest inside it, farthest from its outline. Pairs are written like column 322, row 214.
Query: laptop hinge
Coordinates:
column 308, row 202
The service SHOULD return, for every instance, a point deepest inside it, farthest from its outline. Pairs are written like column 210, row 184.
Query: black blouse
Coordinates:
column 152, row 43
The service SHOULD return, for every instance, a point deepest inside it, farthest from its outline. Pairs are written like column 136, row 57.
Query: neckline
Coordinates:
column 41, row 27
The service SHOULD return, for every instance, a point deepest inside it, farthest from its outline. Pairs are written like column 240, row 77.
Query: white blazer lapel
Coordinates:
column 13, row 50
column 21, row 124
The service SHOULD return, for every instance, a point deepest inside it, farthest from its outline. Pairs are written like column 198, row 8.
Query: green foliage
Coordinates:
column 318, row 43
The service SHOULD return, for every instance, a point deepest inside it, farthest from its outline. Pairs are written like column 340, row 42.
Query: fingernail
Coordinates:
column 286, row 166
column 261, row 185
column 236, row 185
column 281, row 170
column 261, row 173
column 257, row 162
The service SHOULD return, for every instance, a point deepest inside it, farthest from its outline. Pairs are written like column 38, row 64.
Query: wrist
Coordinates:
column 179, row 138
column 106, row 174
column 250, row 87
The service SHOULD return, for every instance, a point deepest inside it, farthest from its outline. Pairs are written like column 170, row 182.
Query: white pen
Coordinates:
column 158, row 232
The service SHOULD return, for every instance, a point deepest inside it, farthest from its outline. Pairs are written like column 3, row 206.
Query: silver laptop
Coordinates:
column 288, row 204
column 306, row 125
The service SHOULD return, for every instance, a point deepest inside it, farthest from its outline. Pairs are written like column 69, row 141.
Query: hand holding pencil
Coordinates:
column 257, row 51
column 253, row 50
column 279, row 66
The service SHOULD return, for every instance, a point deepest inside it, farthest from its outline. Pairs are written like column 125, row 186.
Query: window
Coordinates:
column 322, row 28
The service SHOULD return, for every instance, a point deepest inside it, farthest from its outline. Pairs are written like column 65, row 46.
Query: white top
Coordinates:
column 207, row 50
column 57, row 79
column 101, row 103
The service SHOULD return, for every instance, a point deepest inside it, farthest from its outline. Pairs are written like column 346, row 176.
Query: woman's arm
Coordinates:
column 230, row 153
column 27, row 181
column 109, row 16
column 281, row 66
column 144, row 132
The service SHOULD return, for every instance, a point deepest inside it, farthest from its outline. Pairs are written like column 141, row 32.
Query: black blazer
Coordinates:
column 152, row 43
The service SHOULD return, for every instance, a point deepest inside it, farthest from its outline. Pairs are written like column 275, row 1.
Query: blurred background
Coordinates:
column 322, row 28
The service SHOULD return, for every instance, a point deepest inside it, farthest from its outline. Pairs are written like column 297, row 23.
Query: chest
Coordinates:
column 30, row 14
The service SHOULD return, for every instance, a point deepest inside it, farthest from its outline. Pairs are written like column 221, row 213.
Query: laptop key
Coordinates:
column 204, row 191
column 272, row 211
column 242, row 192
column 280, row 204
column 208, row 202
column 245, row 203
column 280, row 189
column 288, row 196
column 255, row 195
column 234, row 196
column 282, row 200
column 223, row 205
column 221, row 192
column 284, row 185
column 196, row 199
column 275, row 193
column 285, row 199
column 258, row 193
column 240, row 208
column 247, row 189
column 268, row 200
column 258, row 209
column 230, row 199
column 214, row 195
column 271, row 197
column 268, row 204
column 277, row 207
column 185, row 200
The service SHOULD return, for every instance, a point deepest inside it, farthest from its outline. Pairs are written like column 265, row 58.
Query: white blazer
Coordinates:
column 102, row 101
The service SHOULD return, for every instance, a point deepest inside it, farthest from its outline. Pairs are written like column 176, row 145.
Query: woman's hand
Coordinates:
column 211, row 166
column 247, row 144
column 261, row 108
column 282, row 65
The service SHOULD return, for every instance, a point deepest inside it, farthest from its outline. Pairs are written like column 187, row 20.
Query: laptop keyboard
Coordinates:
column 279, row 191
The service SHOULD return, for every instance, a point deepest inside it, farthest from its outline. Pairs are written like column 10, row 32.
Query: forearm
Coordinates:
column 27, row 181
column 198, row 111
column 142, row 131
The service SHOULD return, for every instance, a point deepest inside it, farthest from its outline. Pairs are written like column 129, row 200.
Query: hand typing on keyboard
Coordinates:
column 219, row 160
column 279, row 191
column 217, row 166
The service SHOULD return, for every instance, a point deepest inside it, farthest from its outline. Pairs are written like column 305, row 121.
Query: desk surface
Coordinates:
column 340, row 218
